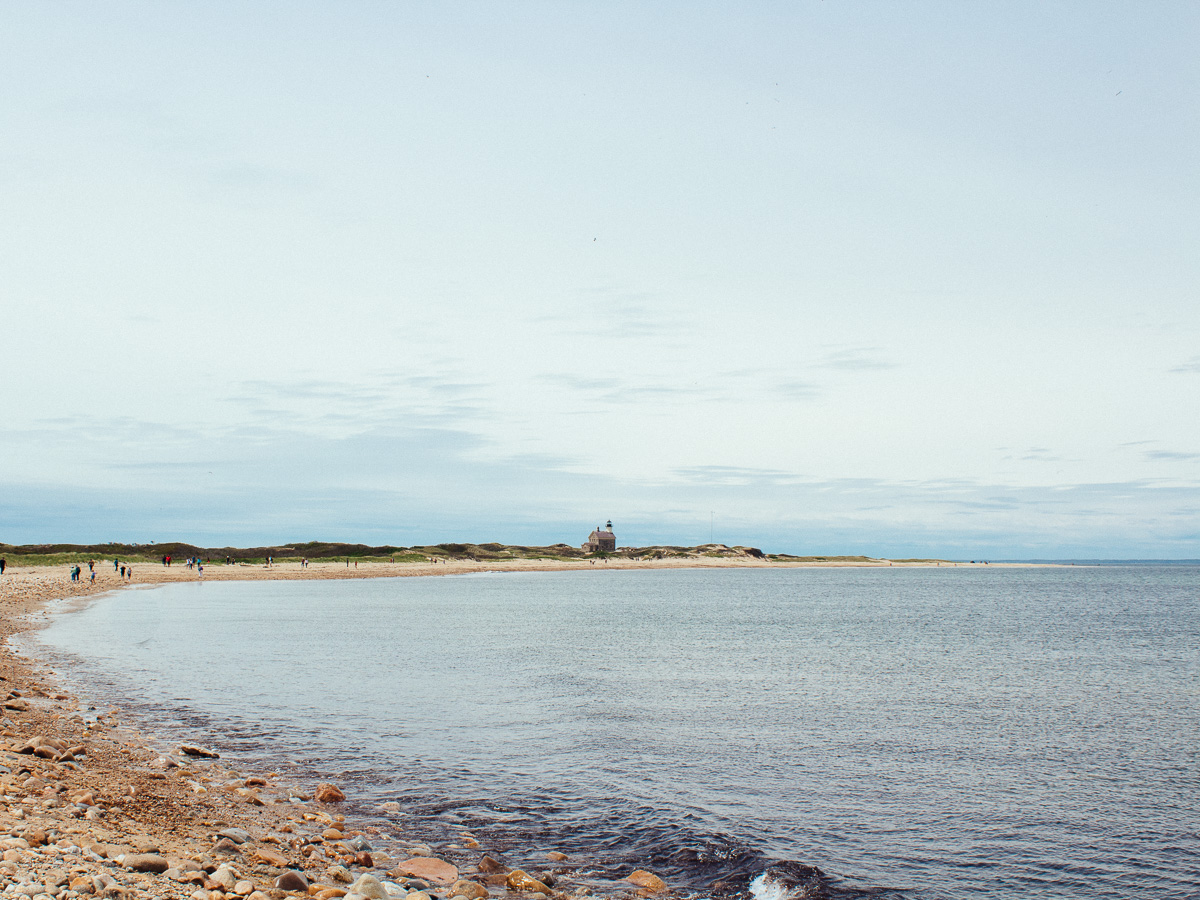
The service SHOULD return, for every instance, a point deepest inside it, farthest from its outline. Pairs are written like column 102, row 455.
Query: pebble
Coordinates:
column 202, row 752
column 291, row 881
column 225, row 876
column 470, row 890
column 647, row 881
column 328, row 793
column 146, row 862
column 370, row 887
column 519, row 880
column 429, row 868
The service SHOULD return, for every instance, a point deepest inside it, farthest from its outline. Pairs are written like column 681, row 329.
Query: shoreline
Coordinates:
column 88, row 807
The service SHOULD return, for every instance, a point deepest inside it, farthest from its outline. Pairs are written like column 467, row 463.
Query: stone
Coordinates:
column 340, row 874
column 328, row 793
column 225, row 845
column 370, row 887
column 390, row 807
column 146, row 862
column 472, row 890
column 83, row 885
column 329, row 893
column 43, row 747
column 202, row 752
column 556, row 856
column 490, row 865
column 430, row 868
column 331, row 834
column 270, row 857
column 237, row 835
column 419, row 895
column 360, row 843
column 225, row 877
column 519, row 880
column 647, row 881
column 258, row 895
column 250, row 796
column 291, row 880
column 243, row 888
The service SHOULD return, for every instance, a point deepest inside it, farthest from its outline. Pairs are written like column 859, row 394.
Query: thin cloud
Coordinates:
column 1171, row 455
column 856, row 359
column 797, row 389
column 726, row 475
column 1191, row 367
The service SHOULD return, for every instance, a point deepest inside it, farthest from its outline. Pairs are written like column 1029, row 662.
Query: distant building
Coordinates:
column 601, row 540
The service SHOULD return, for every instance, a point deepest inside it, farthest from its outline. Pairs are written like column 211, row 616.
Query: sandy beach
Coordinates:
column 89, row 807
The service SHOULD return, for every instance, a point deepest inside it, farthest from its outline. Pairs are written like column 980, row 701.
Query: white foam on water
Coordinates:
column 764, row 887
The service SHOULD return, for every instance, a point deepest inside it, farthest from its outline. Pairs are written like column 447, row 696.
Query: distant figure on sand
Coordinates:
column 122, row 571
column 3, row 565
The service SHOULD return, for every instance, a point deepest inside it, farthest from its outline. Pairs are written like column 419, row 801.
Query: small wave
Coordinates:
column 797, row 882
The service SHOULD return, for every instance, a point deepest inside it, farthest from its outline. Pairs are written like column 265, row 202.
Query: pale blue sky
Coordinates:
column 879, row 277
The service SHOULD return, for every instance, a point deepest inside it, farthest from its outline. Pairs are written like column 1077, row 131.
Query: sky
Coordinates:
column 902, row 279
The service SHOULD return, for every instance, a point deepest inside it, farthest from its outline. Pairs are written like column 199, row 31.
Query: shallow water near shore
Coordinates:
column 914, row 733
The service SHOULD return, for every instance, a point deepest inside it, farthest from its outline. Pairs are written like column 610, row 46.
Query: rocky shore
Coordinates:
column 89, row 809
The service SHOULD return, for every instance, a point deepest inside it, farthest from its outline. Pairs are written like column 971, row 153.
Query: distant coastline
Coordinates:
column 324, row 554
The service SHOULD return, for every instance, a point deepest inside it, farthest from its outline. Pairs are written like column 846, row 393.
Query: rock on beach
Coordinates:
column 519, row 880
column 329, row 793
column 430, row 868
column 647, row 881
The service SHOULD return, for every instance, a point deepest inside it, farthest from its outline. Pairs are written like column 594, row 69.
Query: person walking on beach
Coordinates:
column 92, row 566
column 122, row 571
column 116, row 564
column 3, row 565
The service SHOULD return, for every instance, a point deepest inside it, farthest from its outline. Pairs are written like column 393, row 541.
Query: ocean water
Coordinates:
column 906, row 733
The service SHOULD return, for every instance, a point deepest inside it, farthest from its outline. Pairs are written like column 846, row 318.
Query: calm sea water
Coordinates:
column 914, row 733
